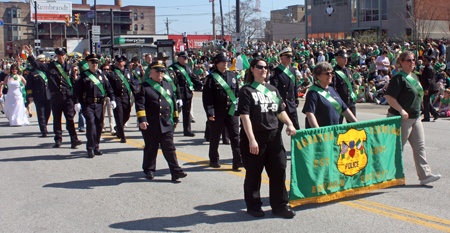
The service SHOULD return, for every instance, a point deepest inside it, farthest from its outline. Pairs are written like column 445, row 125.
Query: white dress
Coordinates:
column 14, row 104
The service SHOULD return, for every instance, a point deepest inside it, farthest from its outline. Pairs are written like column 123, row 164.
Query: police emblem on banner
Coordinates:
column 352, row 157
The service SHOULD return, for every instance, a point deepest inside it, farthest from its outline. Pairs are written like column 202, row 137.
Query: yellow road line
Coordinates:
column 396, row 216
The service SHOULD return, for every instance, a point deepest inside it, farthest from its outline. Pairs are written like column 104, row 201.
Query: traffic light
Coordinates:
column 67, row 20
column 77, row 18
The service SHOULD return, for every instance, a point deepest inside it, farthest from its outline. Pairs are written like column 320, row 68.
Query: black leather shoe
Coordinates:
column 226, row 142
column 236, row 166
column 256, row 213
column 189, row 134
column 425, row 120
column 78, row 142
column 123, row 140
column 287, row 213
column 214, row 165
column 149, row 175
column 435, row 117
column 43, row 135
column 97, row 152
column 90, row 154
column 57, row 144
column 178, row 175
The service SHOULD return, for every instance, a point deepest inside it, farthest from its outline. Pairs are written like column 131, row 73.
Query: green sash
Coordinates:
column 328, row 97
column 95, row 81
column 287, row 71
column 413, row 80
column 163, row 92
column 169, row 80
column 42, row 74
column 22, row 87
column 137, row 75
column 124, row 80
column 63, row 73
column 183, row 71
column 266, row 92
column 83, row 65
column 230, row 93
column 344, row 77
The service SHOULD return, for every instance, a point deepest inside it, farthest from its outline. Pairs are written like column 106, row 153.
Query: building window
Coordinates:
column 142, row 26
column 14, row 38
column 408, row 8
column 135, row 27
column 106, row 26
column 135, row 16
column 14, row 28
column 142, row 15
column 14, row 13
column 369, row 10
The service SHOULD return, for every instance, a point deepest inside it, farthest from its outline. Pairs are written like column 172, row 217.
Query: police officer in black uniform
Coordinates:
column 219, row 101
column 38, row 91
column 90, row 90
column 60, row 82
column 340, row 85
column 157, row 113
column 123, row 86
column 184, row 72
column 284, row 80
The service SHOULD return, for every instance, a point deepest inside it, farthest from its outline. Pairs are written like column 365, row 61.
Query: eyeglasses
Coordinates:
column 106, row 69
column 410, row 60
column 328, row 73
column 262, row 67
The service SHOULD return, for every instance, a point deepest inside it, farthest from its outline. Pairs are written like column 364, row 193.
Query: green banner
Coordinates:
column 338, row 161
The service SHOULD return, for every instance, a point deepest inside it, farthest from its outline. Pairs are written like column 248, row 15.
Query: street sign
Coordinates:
column 238, row 38
column 37, row 46
column 95, row 39
column 1, row 22
column 90, row 14
column 37, row 41
column 95, row 30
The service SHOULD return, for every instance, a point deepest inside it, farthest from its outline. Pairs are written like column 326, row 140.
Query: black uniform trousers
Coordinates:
column 93, row 113
column 62, row 103
column 427, row 108
column 152, row 139
column 186, row 110
column 231, row 124
column 122, row 114
column 352, row 108
column 271, row 156
column 225, row 137
column 294, row 118
column 43, row 109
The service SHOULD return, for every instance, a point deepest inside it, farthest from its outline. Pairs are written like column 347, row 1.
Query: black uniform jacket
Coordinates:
column 36, row 87
column 56, row 82
column 427, row 79
column 183, row 84
column 341, row 86
column 86, row 92
column 119, row 87
column 153, row 108
column 287, row 88
column 215, row 98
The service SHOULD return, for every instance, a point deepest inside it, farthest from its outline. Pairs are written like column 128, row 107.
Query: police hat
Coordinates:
column 286, row 52
column 162, row 56
column 158, row 66
column 183, row 54
column 60, row 51
column 119, row 58
column 221, row 57
column 258, row 55
column 92, row 58
column 341, row 53
column 40, row 57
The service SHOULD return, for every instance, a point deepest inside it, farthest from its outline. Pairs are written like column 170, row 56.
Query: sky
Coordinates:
column 193, row 16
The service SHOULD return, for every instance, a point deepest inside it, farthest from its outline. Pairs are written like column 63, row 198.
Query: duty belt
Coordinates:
column 91, row 100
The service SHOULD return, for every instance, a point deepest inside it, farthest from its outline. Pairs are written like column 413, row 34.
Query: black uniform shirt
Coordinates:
column 119, row 87
column 36, row 86
column 183, row 83
column 341, row 86
column 286, row 87
column 56, row 81
column 215, row 98
column 262, row 110
column 85, row 89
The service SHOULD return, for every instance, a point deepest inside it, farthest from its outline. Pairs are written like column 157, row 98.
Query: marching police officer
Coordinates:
column 123, row 86
column 285, row 81
column 219, row 101
column 157, row 113
column 60, row 82
column 38, row 91
column 90, row 90
column 169, row 76
column 187, row 81
column 343, row 83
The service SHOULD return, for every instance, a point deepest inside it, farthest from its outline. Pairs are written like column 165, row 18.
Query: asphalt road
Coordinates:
column 61, row 190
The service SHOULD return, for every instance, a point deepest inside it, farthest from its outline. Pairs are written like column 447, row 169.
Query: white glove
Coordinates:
column 180, row 103
column 77, row 107
column 113, row 104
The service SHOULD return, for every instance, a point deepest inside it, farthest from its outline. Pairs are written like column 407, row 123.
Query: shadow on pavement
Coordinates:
column 409, row 186
column 173, row 223
column 20, row 135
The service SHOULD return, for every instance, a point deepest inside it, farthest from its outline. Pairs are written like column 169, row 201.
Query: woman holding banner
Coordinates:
column 260, row 107
column 324, row 100
column 404, row 95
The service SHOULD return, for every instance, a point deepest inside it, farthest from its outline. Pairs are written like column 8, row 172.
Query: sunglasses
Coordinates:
column 328, row 73
column 410, row 60
column 106, row 69
column 262, row 67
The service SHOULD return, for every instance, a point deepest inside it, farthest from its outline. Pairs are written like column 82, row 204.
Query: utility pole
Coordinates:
column 112, row 33
column 214, row 20
column 36, row 24
column 238, row 17
column 95, row 12
column 167, row 25
column 221, row 19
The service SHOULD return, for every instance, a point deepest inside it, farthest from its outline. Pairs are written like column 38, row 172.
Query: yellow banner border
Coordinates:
column 347, row 193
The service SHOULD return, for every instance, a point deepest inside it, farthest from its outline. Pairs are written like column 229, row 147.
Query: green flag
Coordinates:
column 338, row 161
